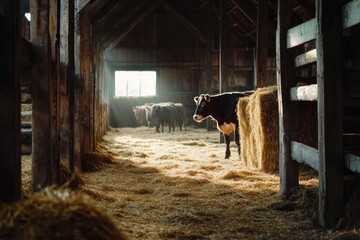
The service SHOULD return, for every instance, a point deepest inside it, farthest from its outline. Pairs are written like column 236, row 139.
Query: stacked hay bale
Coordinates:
column 259, row 129
column 56, row 214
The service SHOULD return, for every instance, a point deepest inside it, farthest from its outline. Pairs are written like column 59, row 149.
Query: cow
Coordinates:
column 140, row 115
column 161, row 114
column 181, row 115
column 221, row 108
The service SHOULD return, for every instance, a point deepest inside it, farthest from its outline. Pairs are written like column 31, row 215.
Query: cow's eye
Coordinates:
column 203, row 104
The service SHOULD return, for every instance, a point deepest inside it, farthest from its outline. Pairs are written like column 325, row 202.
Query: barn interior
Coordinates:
column 69, row 125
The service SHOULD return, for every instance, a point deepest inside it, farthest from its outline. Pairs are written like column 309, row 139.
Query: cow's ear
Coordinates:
column 196, row 99
column 207, row 97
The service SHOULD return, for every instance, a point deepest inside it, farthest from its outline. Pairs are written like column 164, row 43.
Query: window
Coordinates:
column 135, row 83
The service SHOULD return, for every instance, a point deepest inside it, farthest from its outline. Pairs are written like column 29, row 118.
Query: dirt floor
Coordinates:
column 179, row 186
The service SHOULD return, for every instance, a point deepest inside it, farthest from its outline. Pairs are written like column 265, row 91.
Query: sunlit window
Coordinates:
column 135, row 83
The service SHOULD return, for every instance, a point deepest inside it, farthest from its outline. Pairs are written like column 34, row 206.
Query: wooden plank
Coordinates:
column 305, row 154
column 304, row 93
column 210, row 40
column 41, row 96
column 288, row 169
column 351, row 14
column 10, row 147
column 329, row 80
column 81, row 4
column 87, row 90
column 77, row 93
column 352, row 162
column 72, row 85
column 305, row 58
column 302, row 33
column 262, row 44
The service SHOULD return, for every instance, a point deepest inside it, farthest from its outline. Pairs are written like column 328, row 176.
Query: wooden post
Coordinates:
column 329, row 80
column 86, row 102
column 42, row 96
column 54, row 15
column 77, row 89
column 261, row 44
column 209, row 52
column 289, row 169
column 10, row 147
column 210, row 39
column 71, row 82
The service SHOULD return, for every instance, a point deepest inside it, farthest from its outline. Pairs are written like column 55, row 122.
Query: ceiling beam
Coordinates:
column 185, row 22
column 247, row 10
column 132, row 23
column 110, row 20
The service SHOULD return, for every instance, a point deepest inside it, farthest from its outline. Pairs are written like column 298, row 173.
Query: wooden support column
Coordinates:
column 42, row 97
column 87, row 89
column 10, row 142
column 64, row 82
column 262, row 44
column 223, row 42
column 54, row 29
column 209, row 52
column 77, row 90
column 329, row 80
column 210, row 41
column 289, row 169
column 71, row 84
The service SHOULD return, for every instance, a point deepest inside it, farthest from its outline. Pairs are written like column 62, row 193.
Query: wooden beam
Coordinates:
column 10, row 147
column 352, row 162
column 305, row 58
column 42, row 96
column 329, row 81
column 302, row 33
column 134, row 23
column 248, row 11
column 262, row 44
column 72, row 85
column 351, row 14
column 304, row 93
column 210, row 42
column 305, row 154
column 77, row 93
column 288, row 168
column 184, row 21
column 81, row 4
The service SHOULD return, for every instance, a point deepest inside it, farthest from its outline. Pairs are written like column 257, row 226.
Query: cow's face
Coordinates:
column 202, row 107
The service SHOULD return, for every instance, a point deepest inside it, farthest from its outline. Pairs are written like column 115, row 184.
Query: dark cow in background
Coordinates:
column 161, row 114
column 222, row 108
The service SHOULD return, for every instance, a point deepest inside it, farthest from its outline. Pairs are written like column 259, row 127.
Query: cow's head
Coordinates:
column 202, row 107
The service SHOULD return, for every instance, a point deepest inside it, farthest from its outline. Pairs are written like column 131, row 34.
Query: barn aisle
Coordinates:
column 178, row 186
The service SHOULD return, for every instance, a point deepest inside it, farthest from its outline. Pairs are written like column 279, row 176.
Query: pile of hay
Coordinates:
column 258, row 117
column 56, row 214
column 93, row 161
column 259, row 129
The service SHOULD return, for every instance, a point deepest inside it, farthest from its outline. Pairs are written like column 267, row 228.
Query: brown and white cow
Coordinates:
column 222, row 108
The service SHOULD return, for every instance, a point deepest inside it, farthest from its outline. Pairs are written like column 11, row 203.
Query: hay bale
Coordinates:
column 259, row 123
column 246, row 141
column 56, row 214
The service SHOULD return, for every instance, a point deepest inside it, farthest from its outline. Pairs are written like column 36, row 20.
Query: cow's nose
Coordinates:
column 197, row 117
